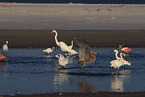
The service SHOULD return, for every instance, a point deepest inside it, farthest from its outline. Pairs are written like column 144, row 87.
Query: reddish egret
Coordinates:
column 85, row 56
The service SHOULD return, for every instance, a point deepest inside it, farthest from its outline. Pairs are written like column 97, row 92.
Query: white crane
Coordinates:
column 63, row 45
column 49, row 50
column 5, row 48
column 118, row 62
column 62, row 60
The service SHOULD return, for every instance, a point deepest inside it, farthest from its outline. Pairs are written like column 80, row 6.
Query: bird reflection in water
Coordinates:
column 3, row 67
column 60, row 78
column 85, row 87
column 117, row 82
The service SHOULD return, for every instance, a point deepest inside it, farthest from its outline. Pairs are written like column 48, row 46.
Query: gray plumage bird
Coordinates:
column 85, row 56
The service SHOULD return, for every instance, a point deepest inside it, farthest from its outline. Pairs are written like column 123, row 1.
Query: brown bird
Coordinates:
column 85, row 56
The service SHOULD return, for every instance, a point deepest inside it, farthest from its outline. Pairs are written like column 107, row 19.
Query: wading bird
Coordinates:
column 63, row 45
column 5, row 48
column 124, row 50
column 85, row 56
column 116, row 54
column 118, row 62
column 49, row 50
column 2, row 57
column 62, row 60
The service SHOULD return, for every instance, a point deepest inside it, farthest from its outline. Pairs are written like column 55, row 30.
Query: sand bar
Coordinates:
column 72, row 16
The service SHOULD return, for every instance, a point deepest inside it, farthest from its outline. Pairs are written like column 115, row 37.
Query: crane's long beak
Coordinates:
column 96, row 53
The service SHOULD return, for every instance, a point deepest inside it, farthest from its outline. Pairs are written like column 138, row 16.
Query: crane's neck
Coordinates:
column 116, row 55
column 121, row 55
column 57, row 43
column 71, row 45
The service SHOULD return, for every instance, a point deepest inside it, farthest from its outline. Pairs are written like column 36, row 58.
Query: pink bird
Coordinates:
column 2, row 57
column 126, row 49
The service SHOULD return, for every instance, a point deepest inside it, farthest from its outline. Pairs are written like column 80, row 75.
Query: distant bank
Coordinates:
column 95, row 38
column 79, row 1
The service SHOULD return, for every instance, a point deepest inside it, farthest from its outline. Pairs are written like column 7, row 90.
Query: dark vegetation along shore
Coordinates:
column 95, row 38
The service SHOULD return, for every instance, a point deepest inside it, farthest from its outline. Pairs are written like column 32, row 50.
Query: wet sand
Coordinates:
column 95, row 38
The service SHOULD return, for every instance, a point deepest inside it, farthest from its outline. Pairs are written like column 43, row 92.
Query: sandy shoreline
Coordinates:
column 72, row 16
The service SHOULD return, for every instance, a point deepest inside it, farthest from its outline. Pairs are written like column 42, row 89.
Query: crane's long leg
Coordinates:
column 118, row 72
column 85, row 70
column 3, row 52
column 6, row 54
column 82, row 68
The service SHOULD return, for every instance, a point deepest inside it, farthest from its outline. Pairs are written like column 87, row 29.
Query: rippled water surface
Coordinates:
column 30, row 70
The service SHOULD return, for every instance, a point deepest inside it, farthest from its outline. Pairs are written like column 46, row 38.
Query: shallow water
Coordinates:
column 30, row 70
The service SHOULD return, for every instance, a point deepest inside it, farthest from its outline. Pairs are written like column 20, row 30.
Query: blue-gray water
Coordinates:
column 30, row 70
column 80, row 1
